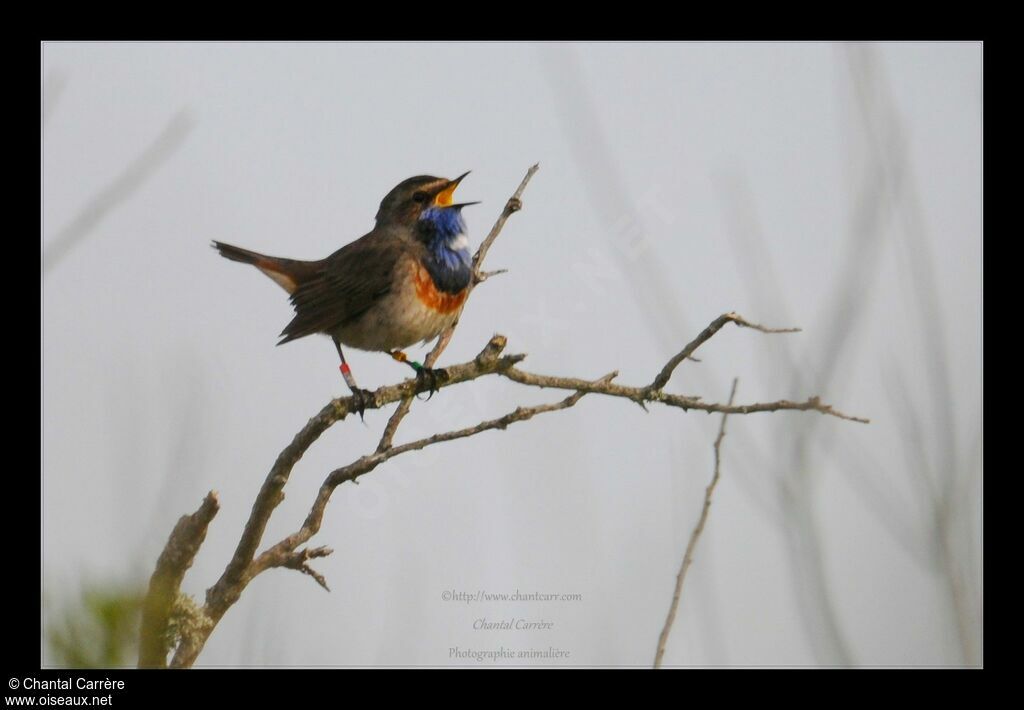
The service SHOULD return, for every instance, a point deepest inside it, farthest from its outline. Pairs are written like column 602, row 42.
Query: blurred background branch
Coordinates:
column 118, row 191
column 53, row 87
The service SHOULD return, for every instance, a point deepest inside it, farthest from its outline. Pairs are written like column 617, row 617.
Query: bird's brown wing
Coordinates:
column 345, row 286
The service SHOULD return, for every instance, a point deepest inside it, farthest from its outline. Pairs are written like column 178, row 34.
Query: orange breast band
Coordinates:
column 432, row 298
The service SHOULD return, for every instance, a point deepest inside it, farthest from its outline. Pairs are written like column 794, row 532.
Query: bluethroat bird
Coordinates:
column 402, row 283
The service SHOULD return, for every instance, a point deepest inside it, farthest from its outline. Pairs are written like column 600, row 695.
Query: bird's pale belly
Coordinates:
column 415, row 310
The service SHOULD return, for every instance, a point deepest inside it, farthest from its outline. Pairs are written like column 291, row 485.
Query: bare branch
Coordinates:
column 651, row 393
column 514, row 204
column 227, row 591
column 666, row 372
column 299, row 560
column 279, row 553
column 486, row 362
column 273, row 557
column 238, row 573
column 484, row 275
column 694, row 537
column 519, row 414
column 244, row 565
column 165, row 583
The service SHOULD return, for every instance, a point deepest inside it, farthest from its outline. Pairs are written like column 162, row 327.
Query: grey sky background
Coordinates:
column 832, row 187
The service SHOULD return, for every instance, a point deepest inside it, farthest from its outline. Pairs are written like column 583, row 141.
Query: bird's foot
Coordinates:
column 430, row 379
column 361, row 399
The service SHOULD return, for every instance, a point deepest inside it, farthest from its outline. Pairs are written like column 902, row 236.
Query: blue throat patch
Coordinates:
column 449, row 268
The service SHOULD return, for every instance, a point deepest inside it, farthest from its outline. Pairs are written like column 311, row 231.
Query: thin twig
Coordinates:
column 514, row 204
column 645, row 394
column 299, row 560
column 666, row 372
column 694, row 537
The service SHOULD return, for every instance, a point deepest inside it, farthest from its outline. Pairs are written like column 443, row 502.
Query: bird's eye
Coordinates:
column 420, row 197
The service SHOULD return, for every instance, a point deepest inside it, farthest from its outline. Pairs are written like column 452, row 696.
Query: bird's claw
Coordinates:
column 361, row 399
column 430, row 379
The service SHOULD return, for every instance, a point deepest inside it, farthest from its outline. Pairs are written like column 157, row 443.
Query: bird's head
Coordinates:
column 423, row 197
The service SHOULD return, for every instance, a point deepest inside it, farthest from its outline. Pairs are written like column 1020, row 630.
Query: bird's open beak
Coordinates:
column 444, row 198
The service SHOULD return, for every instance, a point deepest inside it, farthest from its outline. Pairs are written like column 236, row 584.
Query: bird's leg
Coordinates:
column 432, row 377
column 360, row 397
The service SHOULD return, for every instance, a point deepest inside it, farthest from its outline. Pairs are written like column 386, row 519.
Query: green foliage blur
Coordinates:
column 99, row 630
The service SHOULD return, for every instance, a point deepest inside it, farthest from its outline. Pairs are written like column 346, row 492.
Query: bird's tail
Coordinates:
column 237, row 253
column 286, row 273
